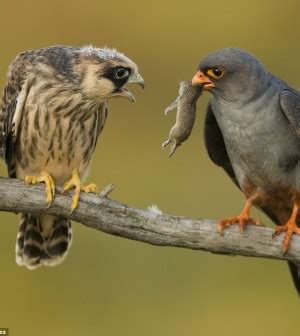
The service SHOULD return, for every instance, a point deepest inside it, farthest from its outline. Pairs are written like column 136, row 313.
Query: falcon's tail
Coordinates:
column 42, row 240
column 279, row 220
column 295, row 273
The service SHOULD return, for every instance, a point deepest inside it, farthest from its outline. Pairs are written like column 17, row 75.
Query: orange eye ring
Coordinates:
column 216, row 73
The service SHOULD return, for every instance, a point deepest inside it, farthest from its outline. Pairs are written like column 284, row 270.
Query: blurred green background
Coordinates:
column 109, row 285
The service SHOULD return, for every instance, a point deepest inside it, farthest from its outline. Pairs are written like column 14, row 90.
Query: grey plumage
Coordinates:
column 54, row 106
column 252, row 130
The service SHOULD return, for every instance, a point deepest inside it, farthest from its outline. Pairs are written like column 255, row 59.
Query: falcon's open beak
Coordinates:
column 123, row 92
column 204, row 81
column 135, row 79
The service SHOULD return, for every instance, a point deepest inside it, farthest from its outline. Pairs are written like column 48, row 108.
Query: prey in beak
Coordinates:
column 135, row 79
column 204, row 81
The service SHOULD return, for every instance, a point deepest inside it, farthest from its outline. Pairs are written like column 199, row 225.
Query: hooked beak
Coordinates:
column 135, row 79
column 204, row 81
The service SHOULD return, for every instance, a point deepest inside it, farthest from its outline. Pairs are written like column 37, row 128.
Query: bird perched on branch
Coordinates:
column 252, row 130
column 53, row 110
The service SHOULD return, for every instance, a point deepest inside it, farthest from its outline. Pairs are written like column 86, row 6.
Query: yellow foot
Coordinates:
column 49, row 183
column 75, row 183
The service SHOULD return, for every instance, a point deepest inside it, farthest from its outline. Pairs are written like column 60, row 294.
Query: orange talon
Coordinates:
column 290, row 227
column 243, row 219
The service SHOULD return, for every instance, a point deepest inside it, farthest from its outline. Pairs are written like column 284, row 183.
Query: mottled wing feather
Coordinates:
column 290, row 104
column 14, row 96
column 15, row 80
column 14, row 118
column 9, row 103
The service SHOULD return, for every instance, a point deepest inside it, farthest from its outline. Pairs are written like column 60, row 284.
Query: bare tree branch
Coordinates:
column 163, row 230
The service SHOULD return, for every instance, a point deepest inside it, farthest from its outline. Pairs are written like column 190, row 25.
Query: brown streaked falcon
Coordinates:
column 53, row 110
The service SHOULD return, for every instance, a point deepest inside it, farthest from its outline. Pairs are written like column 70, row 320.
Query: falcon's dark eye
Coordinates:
column 121, row 73
column 216, row 72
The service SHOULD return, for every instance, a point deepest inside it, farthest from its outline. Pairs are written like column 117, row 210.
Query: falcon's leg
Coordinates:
column 49, row 183
column 241, row 219
column 290, row 227
column 75, row 183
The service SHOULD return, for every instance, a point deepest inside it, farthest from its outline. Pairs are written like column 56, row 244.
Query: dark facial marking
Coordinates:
column 118, row 75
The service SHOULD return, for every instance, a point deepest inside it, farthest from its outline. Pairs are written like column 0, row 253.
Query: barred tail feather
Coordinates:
column 42, row 240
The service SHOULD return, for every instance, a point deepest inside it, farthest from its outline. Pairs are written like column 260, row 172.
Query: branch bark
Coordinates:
column 163, row 230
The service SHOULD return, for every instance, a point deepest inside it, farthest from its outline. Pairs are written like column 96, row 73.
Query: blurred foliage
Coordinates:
column 108, row 285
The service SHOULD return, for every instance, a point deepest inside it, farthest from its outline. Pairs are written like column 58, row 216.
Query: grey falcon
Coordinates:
column 54, row 107
column 252, row 131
